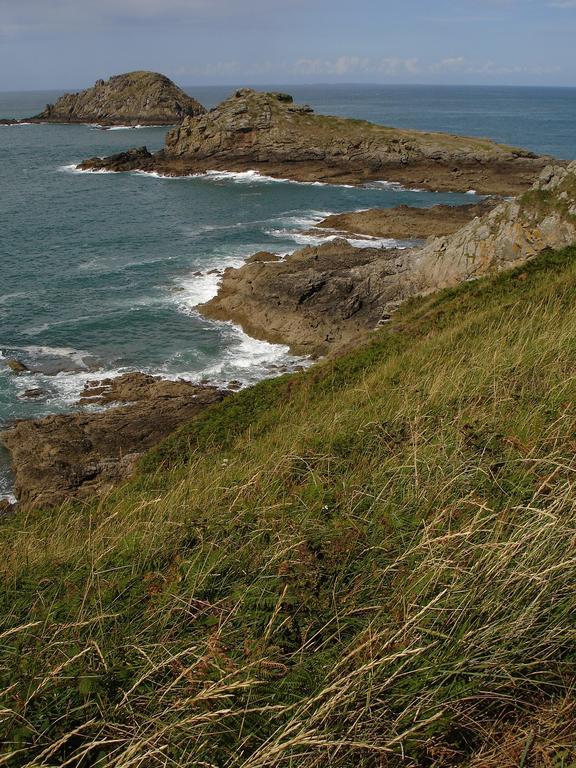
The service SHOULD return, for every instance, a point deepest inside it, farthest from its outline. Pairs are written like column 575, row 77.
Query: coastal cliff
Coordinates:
column 270, row 133
column 134, row 98
column 320, row 299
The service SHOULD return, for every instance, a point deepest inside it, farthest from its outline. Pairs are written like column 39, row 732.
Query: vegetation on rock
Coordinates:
column 145, row 98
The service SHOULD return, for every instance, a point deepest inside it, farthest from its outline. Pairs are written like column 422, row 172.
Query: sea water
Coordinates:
column 101, row 273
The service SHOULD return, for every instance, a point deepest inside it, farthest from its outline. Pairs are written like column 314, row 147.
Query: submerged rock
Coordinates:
column 134, row 98
column 17, row 366
column 76, row 455
column 269, row 133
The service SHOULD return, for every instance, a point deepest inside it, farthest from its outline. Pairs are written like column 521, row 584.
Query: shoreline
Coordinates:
column 77, row 410
column 317, row 300
column 497, row 179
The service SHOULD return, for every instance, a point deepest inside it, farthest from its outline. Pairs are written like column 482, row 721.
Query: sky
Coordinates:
column 68, row 44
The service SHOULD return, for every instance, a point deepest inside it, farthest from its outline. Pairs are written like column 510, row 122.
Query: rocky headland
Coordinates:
column 73, row 456
column 269, row 133
column 318, row 300
column 134, row 98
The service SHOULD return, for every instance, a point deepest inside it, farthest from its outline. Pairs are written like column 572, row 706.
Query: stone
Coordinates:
column 77, row 455
column 17, row 366
column 405, row 222
column 34, row 394
column 6, row 508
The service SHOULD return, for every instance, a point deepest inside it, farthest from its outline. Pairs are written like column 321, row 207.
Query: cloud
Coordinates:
column 392, row 67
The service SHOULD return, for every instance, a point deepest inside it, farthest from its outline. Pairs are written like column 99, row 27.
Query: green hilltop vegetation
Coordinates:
column 370, row 563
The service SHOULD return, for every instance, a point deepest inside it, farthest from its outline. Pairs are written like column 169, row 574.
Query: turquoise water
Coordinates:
column 100, row 273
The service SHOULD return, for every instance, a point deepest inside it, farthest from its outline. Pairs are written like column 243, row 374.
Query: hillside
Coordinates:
column 270, row 133
column 144, row 98
column 370, row 563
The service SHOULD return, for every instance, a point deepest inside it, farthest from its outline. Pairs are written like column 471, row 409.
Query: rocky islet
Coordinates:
column 269, row 133
column 132, row 98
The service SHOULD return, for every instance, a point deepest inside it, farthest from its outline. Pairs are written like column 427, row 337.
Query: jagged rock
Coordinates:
column 319, row 299
column 262, row 256
column 268, row 132
column 134, row 98
column 510, row 234
column 73, row 456
column 16, row 365
column 34, row 394
column 405, row 222
column 130, row 160
column 314, row 300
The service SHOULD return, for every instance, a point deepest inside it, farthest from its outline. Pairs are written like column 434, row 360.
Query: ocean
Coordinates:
column 100, row 273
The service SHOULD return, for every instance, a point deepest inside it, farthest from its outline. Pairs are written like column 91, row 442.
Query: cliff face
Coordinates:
column 268, row 132
column 319, row 299
column 543, row 217
column 145, row 98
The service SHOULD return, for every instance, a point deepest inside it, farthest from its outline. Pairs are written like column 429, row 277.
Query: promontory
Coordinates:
column 271, row 134
column 133, row 98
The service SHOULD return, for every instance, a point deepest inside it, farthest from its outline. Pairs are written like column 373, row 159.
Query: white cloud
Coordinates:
column 391, row 67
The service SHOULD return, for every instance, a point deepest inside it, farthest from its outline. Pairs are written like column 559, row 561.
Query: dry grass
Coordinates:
column 369, row 564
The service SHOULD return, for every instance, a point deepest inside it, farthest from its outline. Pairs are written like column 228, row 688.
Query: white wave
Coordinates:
column 302, row 220
column 317, row 239
column 73, row 168
column 239, row 177
column 394, row 186
column 471, row 192
column 99, row 127
column 249, row 360
column 78, row 357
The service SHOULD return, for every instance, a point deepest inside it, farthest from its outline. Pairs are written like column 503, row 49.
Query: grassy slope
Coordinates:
column 367, row 564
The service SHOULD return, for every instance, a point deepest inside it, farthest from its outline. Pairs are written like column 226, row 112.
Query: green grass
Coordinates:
column 370, row 563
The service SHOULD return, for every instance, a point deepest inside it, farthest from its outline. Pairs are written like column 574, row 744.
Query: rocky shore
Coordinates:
column 320, row 299
column 404, row 222
column 269, row 133
column 73, row 456
column 133, row 98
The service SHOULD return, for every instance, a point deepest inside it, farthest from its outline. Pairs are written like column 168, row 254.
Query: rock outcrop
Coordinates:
column 134, row 98
column 513, row 232
column 73, row 456
column 315, row 300
column 269, row 133
column 319, row 299
column 405, row 222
